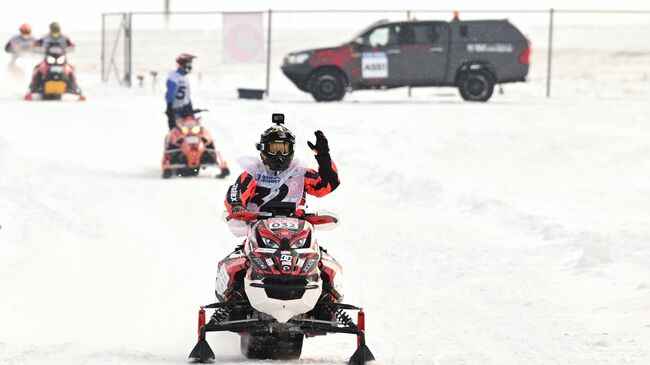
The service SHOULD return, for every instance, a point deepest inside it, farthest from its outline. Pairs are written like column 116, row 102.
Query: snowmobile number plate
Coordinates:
column 283, row 223
column 192, row 139
column 54, row 87
column 56, row 69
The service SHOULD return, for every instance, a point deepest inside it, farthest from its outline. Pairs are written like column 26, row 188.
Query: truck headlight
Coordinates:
column 298, row 58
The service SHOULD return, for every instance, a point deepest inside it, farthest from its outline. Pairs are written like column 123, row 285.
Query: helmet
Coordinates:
column 184, row 61
column 25, row 29
column 55, row 30
column 276, row 147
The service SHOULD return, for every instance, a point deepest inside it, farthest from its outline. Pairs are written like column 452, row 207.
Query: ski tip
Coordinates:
column 82, row 98
column 361, row 356
column 28, row 97
column 202, row 352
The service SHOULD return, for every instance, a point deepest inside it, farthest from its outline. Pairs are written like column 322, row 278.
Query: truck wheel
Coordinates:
column 274, row 347
column 327, row 85
column 475, row 86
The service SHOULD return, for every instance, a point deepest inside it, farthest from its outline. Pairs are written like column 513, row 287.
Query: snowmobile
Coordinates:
column 279, row 288
column 193, row 149
column 54, row 77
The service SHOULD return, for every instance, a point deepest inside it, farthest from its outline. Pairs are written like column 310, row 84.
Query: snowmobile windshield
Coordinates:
column 275, row 147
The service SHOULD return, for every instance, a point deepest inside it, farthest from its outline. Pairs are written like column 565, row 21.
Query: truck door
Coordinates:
column 376, row 57
column 424, row 49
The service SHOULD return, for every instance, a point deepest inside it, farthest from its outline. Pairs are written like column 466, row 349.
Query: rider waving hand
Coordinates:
column 277, row 176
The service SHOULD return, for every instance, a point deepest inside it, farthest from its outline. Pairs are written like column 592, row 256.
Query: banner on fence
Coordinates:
column 243, row 37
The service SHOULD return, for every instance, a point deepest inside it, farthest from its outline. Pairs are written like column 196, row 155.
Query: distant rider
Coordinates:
column 179, row 107
column 177, row 96
column 21, row 43
column 55, row 38
column 276, row 176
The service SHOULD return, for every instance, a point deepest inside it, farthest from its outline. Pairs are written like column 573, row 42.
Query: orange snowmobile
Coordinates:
column 189, row 147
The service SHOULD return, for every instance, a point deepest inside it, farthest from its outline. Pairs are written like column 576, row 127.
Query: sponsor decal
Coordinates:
column 233, row 192
column 490, row 47
column 308, row 265
column 267, row 179
column 269, row 261
column 265, row 250
column 305, row 250
column 374, row 65
column 260, row 262
column 285, row 261
column 284, row 258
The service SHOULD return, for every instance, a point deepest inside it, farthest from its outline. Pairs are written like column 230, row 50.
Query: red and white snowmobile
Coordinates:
column 279, row 288
column 54, row 77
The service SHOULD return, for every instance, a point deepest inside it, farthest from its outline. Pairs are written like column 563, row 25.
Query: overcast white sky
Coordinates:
column 75, row 15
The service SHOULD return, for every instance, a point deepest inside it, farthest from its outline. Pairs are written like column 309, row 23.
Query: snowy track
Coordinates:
column 512, row 232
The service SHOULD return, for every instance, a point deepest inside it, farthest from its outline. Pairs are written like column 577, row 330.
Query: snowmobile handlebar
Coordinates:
column 312, row 218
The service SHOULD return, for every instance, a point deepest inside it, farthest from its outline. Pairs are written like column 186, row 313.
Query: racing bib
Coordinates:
column 288, row 186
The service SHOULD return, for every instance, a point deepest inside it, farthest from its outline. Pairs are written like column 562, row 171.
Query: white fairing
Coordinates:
column 282, row 310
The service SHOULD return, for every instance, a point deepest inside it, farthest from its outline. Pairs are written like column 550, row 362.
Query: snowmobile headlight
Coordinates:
column 269, row 242
column 196, row 129
column 298, row 58
column 60, row 60
column 51, row 59
column 185, row 129
column 300, row 243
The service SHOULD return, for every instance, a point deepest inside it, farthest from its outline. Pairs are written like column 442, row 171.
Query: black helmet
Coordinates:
column 276, row 145
column 184, row 61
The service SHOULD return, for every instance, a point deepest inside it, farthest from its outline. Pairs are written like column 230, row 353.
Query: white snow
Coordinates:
column 510, row 232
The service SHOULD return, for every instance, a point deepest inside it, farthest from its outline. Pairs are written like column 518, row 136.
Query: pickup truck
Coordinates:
column 471, row 55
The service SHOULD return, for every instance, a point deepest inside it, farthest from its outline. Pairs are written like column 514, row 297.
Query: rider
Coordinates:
column 178, row 98
column 179, row 107
column 277, row 176
column 55, row 38
column 21, row 43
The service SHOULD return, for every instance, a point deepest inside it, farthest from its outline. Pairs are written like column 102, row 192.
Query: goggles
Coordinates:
column 275, row 147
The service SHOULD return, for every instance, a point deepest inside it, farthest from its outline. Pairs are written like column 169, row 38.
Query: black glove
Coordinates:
column 238, row 208
column 321, row 148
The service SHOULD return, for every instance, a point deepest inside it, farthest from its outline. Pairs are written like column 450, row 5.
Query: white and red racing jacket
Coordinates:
column 258, row 185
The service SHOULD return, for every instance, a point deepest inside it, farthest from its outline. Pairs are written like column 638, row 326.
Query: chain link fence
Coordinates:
column 574, row 51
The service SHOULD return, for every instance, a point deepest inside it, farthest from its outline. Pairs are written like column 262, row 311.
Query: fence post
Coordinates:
column 408, row 17
column 128, row 36
column 550, row 52
column 104, row 79
column 268, row 54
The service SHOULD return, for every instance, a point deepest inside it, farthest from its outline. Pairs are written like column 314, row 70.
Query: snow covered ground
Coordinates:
column 510, row 232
